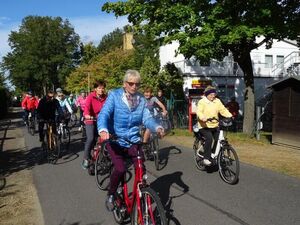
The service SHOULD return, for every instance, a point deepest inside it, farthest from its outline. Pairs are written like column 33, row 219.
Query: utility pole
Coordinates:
column 89, row 82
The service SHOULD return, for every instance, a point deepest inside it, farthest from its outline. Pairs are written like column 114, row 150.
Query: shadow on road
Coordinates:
column 78, row 223
column 162, row 185
column 164, row 154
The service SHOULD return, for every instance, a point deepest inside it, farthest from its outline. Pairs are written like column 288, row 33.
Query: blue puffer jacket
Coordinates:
column 116, row 117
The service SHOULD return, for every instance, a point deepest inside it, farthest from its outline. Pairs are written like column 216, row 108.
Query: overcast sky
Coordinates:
column 85, row 15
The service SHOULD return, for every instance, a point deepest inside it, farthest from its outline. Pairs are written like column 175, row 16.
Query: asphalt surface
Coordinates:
column 69, row 196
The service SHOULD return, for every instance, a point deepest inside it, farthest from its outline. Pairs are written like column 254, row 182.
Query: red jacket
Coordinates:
column 93, row 106
column 30, row 103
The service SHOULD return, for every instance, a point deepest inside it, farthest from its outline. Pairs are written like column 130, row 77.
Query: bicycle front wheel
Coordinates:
column 155, row 149
column 229, row 165
column 53, row 149
column 73, row 120
column 148, row 209
column 198, row 154
column 66, row 137
column 103, row 168
column 31, row 126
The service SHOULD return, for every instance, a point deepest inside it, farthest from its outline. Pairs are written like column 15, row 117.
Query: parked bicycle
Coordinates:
column 31, row 123
column 52, row 146
column 142, row 205
column 224, row 155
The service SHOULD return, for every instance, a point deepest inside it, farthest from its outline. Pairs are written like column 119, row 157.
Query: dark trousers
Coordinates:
column 209, row 134
column 91, row 134
column 117, row 154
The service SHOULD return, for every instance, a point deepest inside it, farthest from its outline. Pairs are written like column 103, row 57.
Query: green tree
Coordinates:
column 150, row 73
column 110, row 67
column 111, row 41
column 44, row 51
column 209, row 29
column 88, row 52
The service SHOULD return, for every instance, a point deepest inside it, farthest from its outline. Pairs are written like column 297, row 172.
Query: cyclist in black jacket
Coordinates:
column 48, row 110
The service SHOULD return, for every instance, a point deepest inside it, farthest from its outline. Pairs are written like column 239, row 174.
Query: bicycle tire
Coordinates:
column 53, row 151
column 155, row 149
column 66, row 136
column 229, row 166
column 198, row 154
column 119, row 211
column 103, row 167
column 155, row 214
column 31, row 127
column 73, row 120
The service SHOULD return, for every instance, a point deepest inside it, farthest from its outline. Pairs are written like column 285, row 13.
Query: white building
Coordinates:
column 268, row 65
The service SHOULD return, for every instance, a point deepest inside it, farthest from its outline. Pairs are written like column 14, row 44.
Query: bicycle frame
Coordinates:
column 218, row 147
column 139, row 182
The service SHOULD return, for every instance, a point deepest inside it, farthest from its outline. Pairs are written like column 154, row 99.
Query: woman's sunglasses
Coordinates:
column 132, row 83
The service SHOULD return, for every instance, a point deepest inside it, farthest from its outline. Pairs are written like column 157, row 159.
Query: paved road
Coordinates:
column 69, row 196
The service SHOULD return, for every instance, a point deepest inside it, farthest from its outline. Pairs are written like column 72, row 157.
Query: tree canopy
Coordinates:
column 44, row 51
column 111, row 41
column 209, row 29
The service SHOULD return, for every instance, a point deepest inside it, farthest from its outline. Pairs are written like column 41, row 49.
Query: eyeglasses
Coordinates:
column 132, row 83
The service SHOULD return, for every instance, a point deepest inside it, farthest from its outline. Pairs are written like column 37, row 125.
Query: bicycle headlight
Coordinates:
column 145, row 177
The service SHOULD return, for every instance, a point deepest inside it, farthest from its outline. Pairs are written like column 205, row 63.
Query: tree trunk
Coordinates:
column 249, row 98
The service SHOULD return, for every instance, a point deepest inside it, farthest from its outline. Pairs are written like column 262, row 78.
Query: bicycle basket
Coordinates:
column 226, row 122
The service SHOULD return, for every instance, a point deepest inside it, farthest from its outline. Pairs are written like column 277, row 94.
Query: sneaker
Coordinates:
column 80, row 128
column 206, row 162
column 85, row 164
column 109, row 203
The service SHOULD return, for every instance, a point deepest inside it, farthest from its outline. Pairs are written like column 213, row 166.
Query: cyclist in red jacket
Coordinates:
column 29, row 104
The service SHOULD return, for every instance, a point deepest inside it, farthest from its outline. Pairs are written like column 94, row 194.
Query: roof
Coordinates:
column 297, row 78
column 292, row 42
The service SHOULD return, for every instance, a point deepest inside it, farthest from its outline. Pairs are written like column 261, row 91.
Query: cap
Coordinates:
column 58, row 90
column 210, row 89
column 29, row 92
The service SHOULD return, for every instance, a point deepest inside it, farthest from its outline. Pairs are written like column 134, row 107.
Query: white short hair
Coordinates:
column 132, row 73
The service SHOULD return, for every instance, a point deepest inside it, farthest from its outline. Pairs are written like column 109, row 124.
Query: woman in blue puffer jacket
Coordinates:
column 122, row 115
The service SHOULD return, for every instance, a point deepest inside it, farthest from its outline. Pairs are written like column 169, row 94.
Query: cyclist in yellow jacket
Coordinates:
column 210, row 107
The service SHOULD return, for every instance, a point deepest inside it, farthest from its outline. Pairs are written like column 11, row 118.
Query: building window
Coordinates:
column 268, row 61
column 279, row 61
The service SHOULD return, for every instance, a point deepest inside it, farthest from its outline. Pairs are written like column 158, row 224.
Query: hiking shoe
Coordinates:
column 206, row 162
column 109, row 203
column 85, row 164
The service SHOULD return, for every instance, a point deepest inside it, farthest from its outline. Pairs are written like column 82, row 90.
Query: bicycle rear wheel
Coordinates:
column 229, row 166
column 152, row 211
column 198, row 154
column 103, row 168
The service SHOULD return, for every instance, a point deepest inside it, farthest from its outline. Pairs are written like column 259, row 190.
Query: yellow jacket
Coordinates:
column 209, row 109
